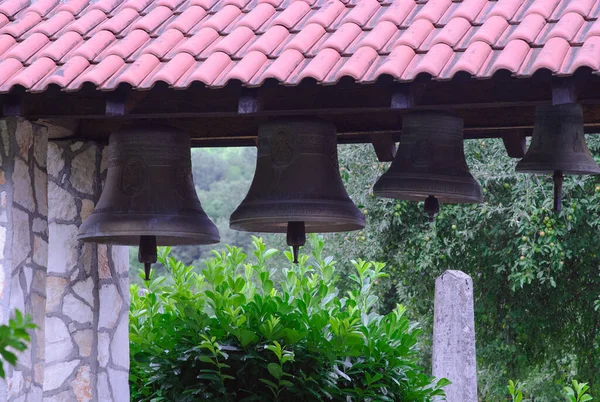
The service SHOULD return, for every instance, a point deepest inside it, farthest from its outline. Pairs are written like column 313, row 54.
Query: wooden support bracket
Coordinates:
column 385, row 147
column 11, row 105
column 402, row 97
column 565, row 90
column 515, row 143
column 249, row 101
column 122, row 101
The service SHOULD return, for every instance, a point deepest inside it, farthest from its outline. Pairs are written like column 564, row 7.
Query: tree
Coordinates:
column 535, row 272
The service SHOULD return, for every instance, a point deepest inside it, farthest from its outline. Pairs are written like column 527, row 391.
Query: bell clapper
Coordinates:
column 296, row 237
column 432, row 207
column 147, row 253
column 558, row 184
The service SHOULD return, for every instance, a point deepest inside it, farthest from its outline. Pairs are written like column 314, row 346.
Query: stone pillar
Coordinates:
column 23, row 247
column 454, row 336
column 87, row 309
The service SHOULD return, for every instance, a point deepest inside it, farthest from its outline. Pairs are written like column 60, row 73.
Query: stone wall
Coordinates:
column 77, row 294
column 23, row 247
column 88, row 287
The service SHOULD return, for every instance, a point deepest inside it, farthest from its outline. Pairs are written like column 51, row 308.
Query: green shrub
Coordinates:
column 14, row 337
column 232, row 334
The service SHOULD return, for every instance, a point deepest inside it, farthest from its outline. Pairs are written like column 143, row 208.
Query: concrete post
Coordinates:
column 454, row 336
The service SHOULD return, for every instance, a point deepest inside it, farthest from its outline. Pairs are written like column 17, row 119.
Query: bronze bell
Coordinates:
column 558, row 146
column 149, row 198
column 297, row 187
column 430, row 164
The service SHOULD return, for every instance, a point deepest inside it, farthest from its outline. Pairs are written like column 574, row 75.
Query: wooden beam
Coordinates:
column 385, row 147
column 515, row 143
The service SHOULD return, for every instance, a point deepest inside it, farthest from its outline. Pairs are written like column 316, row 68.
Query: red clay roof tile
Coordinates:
column 11, row 7
column 63, row 75
column 258, row 16
column 170, row 72
column 120, row 21
column 73, row 6
column 63, row 45
column 43, row 7
column 22, row 25
column 165, row 42
column 470, row 9
column 207, row 71
column 29, row 76
column 234, row 41
column 141, row 42
column 196, row 44
column 363, row 11
column 222, row 18
column 543, row 8
column 327, row 14
column 270, row 40
column 128, row 45
column 28, row 47
column 292, row 14
column 92, row 47
column 8, row 67
column 185, row 21
column 153, row 19
column 54, row 24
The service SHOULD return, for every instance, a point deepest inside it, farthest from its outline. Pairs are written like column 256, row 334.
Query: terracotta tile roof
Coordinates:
column 142, row 42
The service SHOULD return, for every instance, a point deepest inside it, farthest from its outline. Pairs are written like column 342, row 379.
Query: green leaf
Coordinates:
column 274, row 370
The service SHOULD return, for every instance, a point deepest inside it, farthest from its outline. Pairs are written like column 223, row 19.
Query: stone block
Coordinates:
column 40, row 251
column 454, row 336
column 61, row 202
column 56, row 162
column 103, row 349
column 24, row 137
column 58, row 340
column 119, row 384
column 82, row 386
column 84, row 339
column 84, row 289
column 56, row 374
column 83, row 171
column 22, row 186
column 55, row 288
column 41, row 191
column 77, row 310
column 21, row 243
column 119, row 347
column 110, row 306
column 40, row 145
column 64, row 249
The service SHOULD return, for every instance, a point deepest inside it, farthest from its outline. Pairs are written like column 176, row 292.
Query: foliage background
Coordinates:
column 535, row 273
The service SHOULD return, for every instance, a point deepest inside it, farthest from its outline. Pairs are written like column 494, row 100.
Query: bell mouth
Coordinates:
column 542, row 168
column 448, row 190
column 165, row 239
column 169, row 230
column 280, row 225
column 319, row 216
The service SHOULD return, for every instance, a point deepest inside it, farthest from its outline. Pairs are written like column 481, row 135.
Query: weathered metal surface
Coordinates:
column 430, row 161
column 558, row 146
column 149, row 191
column 558, row 143
column 297, row 180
